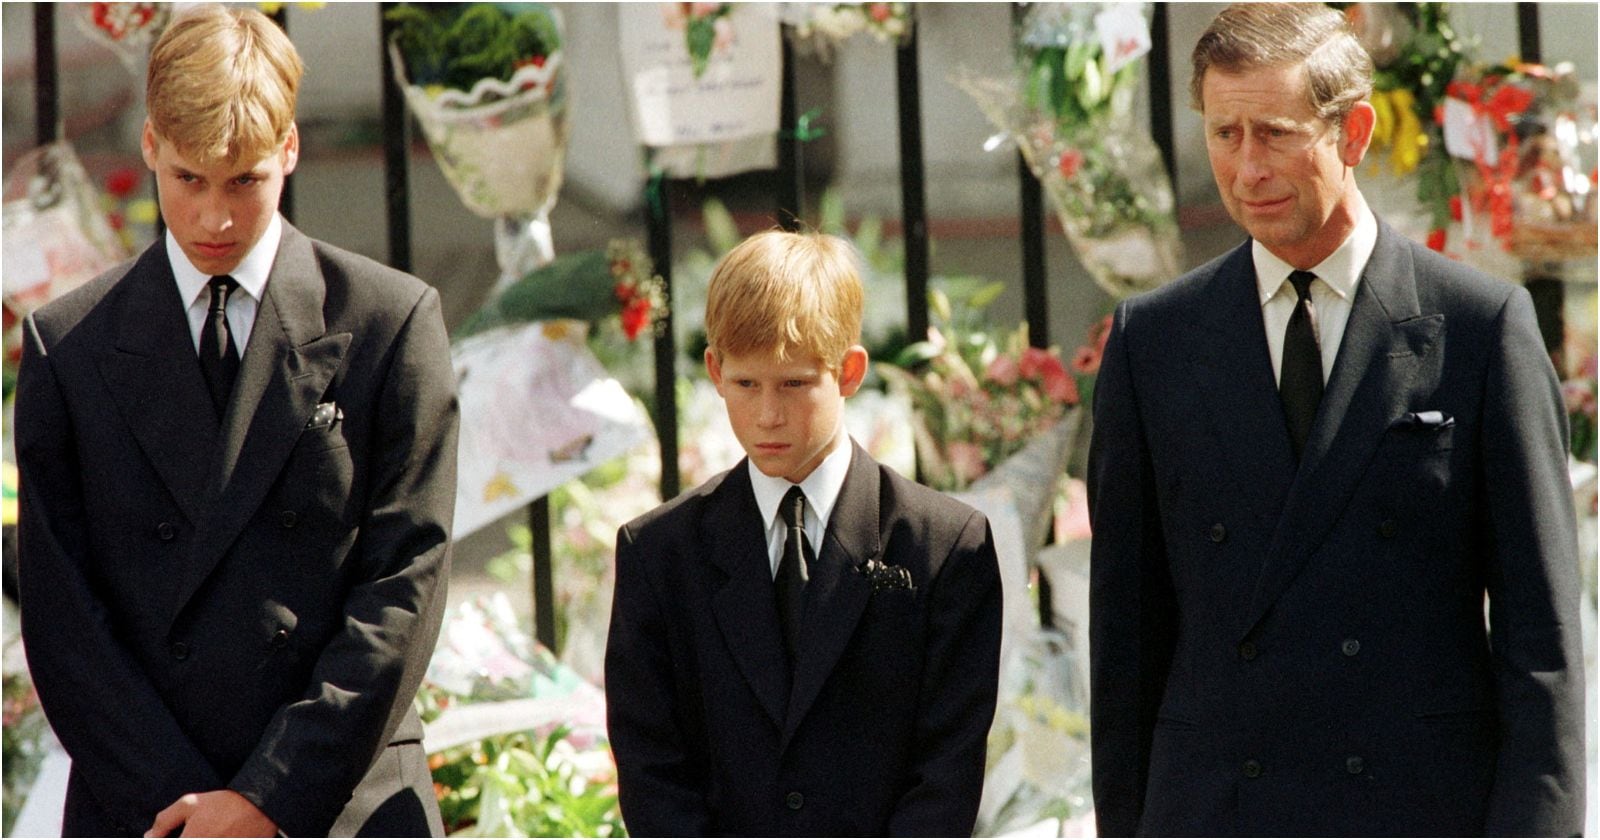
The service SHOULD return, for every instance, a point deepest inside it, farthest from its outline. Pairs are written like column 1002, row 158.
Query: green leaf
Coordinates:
column 721, row 231
column 986, row 295
column 700, row 34
column 939, row 303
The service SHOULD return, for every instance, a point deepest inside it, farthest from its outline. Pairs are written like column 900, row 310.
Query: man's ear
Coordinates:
column 714, row 368
column 291, row 148
column 852, row 370
column 1357, row 133
column 147, row 145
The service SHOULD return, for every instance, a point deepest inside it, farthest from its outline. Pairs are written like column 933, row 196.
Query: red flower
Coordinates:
column 1086, row 360
column 1040, row 364
column 624, row 291
column 1060, row 387
column 1071, row 159
column 1438, row 115
column 122, row 181
column 880, row 12
column 1455, row 207
column 116, row 220
column 635, row 317
column 1507, row 102
column 1436, row 239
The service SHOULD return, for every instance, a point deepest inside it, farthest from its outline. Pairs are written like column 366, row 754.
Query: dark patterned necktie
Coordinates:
column 1300, row 377
column 219, row 359
column 793, row 569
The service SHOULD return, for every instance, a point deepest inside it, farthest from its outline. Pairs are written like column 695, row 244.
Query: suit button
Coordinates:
column 280, row 637
column 794, row 800
column 1247, row 651
column 288, row 518
column 180, row 651
column 1350, row 647
column 1252, row 769
column 165, row 532
column 1388, row 528
column 1354, row 765
column 1218, row 533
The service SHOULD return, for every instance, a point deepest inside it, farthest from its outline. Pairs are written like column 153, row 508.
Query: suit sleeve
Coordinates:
column 661, row 782
column 1533, row 588
column 315, row 750
column 1131, row 602
column 122, row 738
column 959, row 682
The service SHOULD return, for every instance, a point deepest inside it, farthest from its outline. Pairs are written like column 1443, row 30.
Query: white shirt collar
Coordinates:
column 1341, row 270
column 821, row 487
column 251, row 273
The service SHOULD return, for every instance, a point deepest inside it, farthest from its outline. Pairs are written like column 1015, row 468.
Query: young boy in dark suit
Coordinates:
column 807, row 644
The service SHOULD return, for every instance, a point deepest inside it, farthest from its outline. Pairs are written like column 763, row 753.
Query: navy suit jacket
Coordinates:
column 1301, row 649
column 882, row 727
column 251, row 602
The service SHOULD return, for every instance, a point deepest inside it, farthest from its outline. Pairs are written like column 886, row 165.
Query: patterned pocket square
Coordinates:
column 884, row 576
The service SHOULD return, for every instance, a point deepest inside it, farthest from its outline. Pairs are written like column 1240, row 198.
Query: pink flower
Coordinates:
column 966, row 459
column 1086, row 360
column 1071, row 159
column 1060, row 387
column 1579, row 396
column 1040, row 364
column 1003, row 371
column 879, row 12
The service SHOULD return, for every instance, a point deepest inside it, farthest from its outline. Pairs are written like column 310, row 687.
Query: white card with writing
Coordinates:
column 1124, row 35
column 1468, row 134
column 737, row 94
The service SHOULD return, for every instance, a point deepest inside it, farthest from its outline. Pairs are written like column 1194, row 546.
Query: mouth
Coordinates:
column 1267, row 206
column 771, row 448
column 214, row 249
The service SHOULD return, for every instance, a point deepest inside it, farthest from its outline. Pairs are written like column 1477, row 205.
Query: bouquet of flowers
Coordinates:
column 487, row 87
column 979, row 398
column 590, row 286
column 819, row 26
column 1069, row 109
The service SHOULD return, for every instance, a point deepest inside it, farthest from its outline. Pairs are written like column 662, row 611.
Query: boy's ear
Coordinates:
column 852, row 370
column 291, row 149
column 147, row 145
column 713, row 368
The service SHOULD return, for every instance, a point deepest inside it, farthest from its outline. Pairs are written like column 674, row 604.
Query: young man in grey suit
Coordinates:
column 1314, row 457
column 237, row 458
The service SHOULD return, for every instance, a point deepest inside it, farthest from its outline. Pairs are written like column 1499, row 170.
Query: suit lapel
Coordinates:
column 1387, row 343
column 746, row 607
column 153, row 374
column 286, row 368
column 1232, row 369
column 835, row 595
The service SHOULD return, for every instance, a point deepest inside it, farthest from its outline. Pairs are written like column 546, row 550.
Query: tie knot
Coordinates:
column 1301, row 280
column 221, row 286
column 793, row 508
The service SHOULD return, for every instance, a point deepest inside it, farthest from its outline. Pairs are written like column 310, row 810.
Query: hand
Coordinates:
column 217, row 813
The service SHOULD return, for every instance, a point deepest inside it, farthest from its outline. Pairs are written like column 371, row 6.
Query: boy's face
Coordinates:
column 786, row 414
column 217, row 212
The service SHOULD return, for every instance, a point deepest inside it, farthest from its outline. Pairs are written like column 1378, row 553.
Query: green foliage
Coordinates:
column 523, row 785
column 456, row 44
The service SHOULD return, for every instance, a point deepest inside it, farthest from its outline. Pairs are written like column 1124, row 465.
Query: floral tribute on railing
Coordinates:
column 594, row 286
column 818, row 27
column 1068, row 106
column 487, row 87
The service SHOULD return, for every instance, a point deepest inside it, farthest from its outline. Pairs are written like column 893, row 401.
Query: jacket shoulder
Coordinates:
column 365, row 278
column 927, row 511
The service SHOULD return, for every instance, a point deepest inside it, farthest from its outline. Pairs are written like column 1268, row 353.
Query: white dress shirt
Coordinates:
column 1332, row 293
column 821, row 487
column 251, row 275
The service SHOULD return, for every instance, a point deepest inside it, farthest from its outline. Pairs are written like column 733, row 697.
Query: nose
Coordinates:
column 770, row 415
column 1253, row 163
column 215, row 215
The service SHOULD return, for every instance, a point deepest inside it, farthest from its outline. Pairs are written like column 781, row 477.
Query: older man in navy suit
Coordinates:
column 1314, row 458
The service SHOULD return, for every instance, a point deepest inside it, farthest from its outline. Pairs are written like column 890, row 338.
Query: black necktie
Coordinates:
column 219, row 360
column 793, row 569
column 1300, row 378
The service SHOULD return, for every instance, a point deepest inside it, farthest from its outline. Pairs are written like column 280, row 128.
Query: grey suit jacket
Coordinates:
column 1301, row 649
column 251, row 603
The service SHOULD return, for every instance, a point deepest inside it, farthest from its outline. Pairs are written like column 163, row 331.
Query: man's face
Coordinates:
column 1283, row 172
column 786, row 413
column 217, row 212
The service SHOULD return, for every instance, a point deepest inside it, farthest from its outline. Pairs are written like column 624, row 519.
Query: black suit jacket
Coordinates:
column 251, row 603
column 1302, row 650
column 882, row 728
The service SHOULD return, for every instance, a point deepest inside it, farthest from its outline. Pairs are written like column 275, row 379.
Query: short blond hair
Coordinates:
column 794, row 294
column 222, row 84
column 1248, row 36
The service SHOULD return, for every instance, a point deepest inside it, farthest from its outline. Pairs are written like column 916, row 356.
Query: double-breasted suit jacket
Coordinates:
column 882, row 727
column 1301, row 649
column 248, row 603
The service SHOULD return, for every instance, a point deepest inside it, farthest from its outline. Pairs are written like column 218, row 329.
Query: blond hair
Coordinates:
column 796, row 295
column 222, row 84
column 1247, row 36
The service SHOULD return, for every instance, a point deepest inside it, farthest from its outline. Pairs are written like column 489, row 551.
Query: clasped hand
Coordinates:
column 217, row 813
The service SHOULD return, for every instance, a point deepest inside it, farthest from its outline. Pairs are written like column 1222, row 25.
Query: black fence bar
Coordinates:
column 791, row 185
column 1159, row 69
column 913, row 187
column 544, row 599
column 46, row 96
column 286, row 198
column 1528, row 40
column 396, row 142
column 658, row 221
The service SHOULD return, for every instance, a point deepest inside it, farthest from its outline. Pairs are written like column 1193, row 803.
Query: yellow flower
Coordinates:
column 1408, row 138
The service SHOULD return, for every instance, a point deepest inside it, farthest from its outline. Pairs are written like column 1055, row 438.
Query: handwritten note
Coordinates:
column 736, row 97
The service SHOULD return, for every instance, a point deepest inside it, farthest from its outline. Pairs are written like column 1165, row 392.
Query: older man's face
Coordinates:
column 1284, row 173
